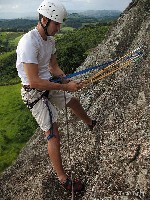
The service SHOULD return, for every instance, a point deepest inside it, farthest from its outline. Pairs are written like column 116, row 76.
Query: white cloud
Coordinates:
column 15, row 7
column 31, row 6
column 97, row 4
column 70, row 4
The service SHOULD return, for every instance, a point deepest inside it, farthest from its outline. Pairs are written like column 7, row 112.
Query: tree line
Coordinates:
column 74, row 20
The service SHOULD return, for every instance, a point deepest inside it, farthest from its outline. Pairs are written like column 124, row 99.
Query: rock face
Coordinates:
column 114, row 159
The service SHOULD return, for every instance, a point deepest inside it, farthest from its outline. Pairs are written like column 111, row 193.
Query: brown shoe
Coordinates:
column 77, row 185
column 92, row 125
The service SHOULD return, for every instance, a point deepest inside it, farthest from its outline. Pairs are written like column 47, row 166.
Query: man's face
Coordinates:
column 53, row 28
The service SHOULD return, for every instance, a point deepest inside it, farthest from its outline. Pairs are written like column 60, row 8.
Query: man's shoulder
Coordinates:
column 31, row 34
column 29, row 37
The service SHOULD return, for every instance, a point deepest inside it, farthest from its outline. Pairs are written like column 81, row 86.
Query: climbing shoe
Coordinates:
column 92, row 125
column 77, row 185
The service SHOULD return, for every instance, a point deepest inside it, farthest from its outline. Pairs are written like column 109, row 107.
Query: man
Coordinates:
column 36, row 63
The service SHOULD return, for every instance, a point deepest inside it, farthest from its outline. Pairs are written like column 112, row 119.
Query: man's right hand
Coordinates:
column 74, row 86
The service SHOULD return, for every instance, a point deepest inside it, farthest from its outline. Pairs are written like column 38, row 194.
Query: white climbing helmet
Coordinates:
column 53, row 9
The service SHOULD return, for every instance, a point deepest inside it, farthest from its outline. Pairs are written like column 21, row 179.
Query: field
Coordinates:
column 16, row 124
column 9, row 40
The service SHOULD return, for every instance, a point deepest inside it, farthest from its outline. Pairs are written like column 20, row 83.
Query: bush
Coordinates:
column 72, row 47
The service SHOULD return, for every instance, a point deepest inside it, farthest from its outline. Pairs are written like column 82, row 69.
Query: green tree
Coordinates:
column 71, row 56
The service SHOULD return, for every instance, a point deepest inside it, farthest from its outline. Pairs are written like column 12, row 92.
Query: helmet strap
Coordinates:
column 45, row 27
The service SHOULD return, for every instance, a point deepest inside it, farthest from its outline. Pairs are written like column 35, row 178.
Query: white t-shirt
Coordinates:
column 33, row 49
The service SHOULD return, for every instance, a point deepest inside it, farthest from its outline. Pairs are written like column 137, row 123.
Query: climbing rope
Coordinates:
column 106, row 68
column 123, row 62
column 68, row 144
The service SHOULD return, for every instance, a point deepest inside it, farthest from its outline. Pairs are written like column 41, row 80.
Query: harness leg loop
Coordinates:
column 50, row 136
column 45, row 99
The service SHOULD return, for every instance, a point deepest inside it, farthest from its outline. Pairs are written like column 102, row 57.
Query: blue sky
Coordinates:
column 13, row 8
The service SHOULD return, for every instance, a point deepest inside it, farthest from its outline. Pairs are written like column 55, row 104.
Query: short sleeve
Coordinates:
column 28, row 50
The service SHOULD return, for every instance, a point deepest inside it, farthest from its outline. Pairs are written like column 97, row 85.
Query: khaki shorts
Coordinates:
column 40, row 111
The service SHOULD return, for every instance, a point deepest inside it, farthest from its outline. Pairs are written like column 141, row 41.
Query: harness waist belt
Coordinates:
column 28, row 89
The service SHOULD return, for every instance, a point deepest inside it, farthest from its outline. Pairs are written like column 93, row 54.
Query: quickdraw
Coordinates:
column 106, row 68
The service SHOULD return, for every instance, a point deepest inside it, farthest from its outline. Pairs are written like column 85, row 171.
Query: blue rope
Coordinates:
column 101, row 66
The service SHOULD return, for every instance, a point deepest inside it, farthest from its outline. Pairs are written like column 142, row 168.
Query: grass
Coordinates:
column 16, row 124
column 9, row 40
column 14, row 41
column 67, row 29
column 10, row 36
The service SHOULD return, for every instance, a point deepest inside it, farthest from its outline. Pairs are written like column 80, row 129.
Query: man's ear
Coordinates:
column 44, row 20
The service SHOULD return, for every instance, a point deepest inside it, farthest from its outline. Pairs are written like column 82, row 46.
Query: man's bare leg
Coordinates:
column 54, row 143
column 55, row 155
column 78, row 110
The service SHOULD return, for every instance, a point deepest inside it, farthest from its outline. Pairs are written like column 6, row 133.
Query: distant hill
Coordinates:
column 17, row 24
column 34, row 15
column 74, row 20
column 101, row 13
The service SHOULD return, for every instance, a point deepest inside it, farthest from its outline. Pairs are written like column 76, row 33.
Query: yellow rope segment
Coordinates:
column 119, row 64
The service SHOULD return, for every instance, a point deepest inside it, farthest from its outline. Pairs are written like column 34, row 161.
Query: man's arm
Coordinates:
column 54, row 68
column 36, row 82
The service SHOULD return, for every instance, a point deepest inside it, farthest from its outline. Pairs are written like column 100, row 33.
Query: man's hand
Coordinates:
column 74, row 86
column 64, row 79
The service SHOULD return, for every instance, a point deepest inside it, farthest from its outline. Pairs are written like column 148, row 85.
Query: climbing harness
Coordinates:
column 44, row 98
column 106, row 68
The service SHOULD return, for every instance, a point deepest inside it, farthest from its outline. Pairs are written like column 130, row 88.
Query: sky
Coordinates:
column 21, row 8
